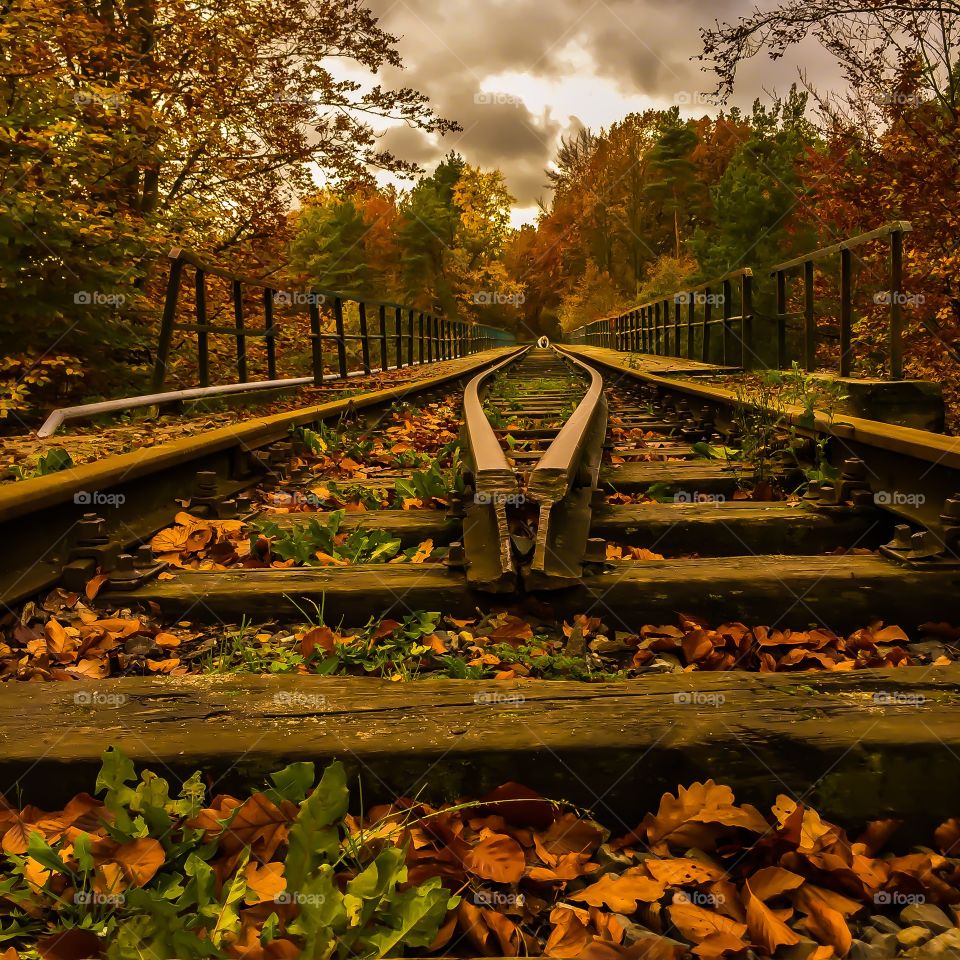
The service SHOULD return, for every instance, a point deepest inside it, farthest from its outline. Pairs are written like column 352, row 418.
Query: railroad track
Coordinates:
column 566, row 484
column 547, row 446
column 596, row 491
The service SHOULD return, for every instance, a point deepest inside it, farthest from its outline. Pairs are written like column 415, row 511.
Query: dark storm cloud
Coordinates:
column 643, row 48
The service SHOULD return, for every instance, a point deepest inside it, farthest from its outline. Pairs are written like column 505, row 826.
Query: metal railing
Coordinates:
column 411, row 335
column 682, row 324
column 673, row 326
column 805, row 265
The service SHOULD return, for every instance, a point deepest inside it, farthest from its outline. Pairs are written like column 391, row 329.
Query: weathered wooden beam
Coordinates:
column 839, row 592
column 736, row 527
column 350, row 594
column 700, row 476
column 854, row 746
column 411, row 526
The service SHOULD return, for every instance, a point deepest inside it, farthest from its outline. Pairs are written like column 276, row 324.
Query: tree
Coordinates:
column 131, row 126
column 674, row 186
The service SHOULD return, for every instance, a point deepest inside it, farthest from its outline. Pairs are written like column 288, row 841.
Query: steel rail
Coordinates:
column 562, row 484
column 486, row 535
column 134, row 491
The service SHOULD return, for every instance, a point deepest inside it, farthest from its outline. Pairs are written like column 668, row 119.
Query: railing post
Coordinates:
column 420, row 354
column 676, row 327
column 398, row 336
column 846, row 312
column 809, row 320
column 166, row 321
column 727, row 325
column 341, row 341
column 747, row 354
column 203, row 348
column 364, row 340
column 316, row 343
column 691, row 315
column 781, row 320
column 269, row 332
column 707, row 318
column 410, row 338
column 896, row 306
column 384, row 357
column 241, row 339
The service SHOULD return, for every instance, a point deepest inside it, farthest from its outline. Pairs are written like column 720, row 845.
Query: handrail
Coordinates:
column 805, row 264
column 895, row 226
column 436, row 337
column 655, row 327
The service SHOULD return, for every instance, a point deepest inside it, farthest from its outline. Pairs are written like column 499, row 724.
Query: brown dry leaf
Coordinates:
column 572, row 834
column 718, row 945
column 257, row 822
column 264, row 882
column 17, row 837
column 496, row 857
column 696, row 923
column 140, row 859
column 766, row 930
column 328, row 560
column 569, row 935
column 59, row 643
column 94, row 585
column 423, row 552
column 828, row 926
column 836, row 901
column 317, row 637
column 700, row 803
column 770, row 882
column 682, row 871
column 73, row 944
column 163, row 666
column 621, row 894
column 947, row 836
column 166, row 640
column 91, row 669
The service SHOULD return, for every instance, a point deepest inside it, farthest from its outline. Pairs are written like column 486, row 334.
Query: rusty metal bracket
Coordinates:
column 486, row 536
column 562, row 484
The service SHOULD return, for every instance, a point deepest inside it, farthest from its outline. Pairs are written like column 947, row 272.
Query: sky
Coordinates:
column 519, row 74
